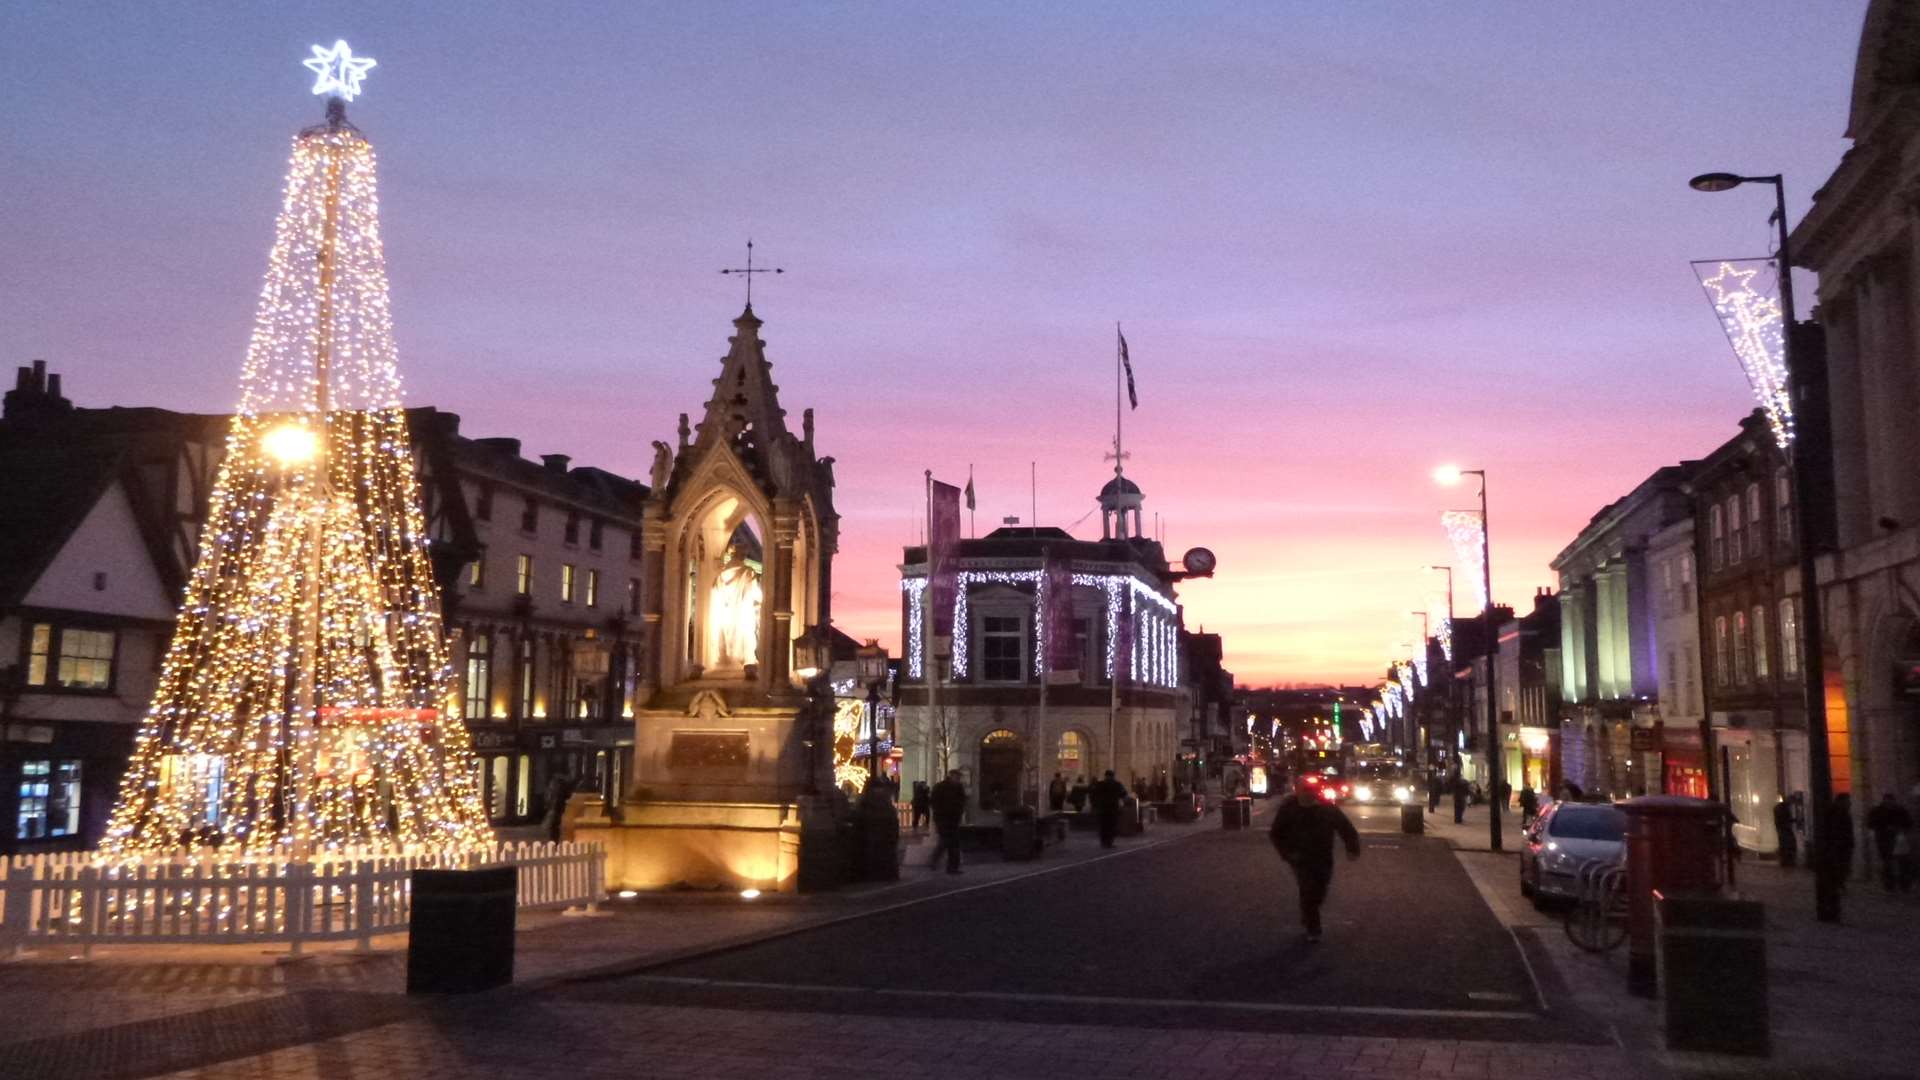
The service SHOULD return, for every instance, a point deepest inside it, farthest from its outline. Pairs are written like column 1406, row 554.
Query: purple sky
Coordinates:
column 1348, row 241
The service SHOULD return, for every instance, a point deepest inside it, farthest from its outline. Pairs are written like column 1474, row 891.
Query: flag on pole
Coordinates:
column 943, row 561
column 1133, row 396
column 969, row 492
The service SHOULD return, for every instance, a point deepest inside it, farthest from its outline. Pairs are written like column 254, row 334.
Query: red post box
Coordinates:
column 1676, row 844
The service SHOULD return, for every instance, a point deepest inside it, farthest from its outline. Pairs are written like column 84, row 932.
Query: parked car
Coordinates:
column 1565, row 835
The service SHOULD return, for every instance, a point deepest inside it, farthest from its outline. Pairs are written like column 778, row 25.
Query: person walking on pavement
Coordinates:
column 1077, row 794
column 1459, row 785
column 1783, row 829
column 1889, row 823
column 1303, row 830
column 922, row 803
column 1057, row 793
column 1436, row 787
column 948, row 801
column 1529, row 805
column 1106, row 795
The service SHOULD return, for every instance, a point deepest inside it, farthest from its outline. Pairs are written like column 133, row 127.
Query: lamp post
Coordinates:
column 1453, row 705
column 1826, row 889
column 873, row 671
column 1496, row 768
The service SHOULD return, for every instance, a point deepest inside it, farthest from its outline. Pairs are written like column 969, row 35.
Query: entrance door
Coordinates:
column 1001, row 767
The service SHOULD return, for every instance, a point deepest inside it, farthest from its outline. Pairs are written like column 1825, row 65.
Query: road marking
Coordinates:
column 1077, row 999
column 1491, row 995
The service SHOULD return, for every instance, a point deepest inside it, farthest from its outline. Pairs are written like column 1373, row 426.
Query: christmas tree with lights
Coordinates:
column 302, row 705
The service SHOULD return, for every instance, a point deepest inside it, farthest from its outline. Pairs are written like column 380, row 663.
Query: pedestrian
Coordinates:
column 1303, row 830
column 1783, row 829
column 922, row 802
column 1459, row 786
column 1106, row 795
column 559, row 790
column 1529, row 804
column 1836, row 839
column 1889, row 823
column 1436, row 787
column 948, row 802
column 1057, row 793
column 1077, row 795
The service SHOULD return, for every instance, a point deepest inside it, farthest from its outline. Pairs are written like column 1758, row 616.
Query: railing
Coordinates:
column 75, row 899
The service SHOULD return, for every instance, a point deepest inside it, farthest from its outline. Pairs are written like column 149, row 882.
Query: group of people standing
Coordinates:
column 1889, row 823
column 945, row 804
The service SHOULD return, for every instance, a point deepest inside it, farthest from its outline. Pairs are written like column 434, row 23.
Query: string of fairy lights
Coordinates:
column 1756, row 329
column 303, row 705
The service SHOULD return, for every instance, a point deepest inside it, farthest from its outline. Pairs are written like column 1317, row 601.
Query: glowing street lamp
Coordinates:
column 1447, row 476
column 1826, row 884
column 291, row 444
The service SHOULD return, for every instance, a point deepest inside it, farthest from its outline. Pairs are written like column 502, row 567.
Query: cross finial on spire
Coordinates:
column 749, row 270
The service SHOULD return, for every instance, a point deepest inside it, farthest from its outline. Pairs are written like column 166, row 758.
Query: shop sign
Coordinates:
column 1643, row 740
column 1906, row 680
column 493, row 740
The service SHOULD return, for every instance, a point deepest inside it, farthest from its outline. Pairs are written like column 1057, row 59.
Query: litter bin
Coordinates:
column 1675, row 843
column 1230, row 818
column 1130, row 823
column 460, row 933
column 1412, row 818
column 876, row 835
column 1019, row 834
column 1713, row 973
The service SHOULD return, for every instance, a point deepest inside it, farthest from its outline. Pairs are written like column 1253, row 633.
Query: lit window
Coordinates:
column 1722, row 665
column 477, row 571
column 593, row 588
column 70, row 658
column 1742, row 659
column 523, row 575
column 479, row 676
column 1789, row 637
column 1073, row 753
column 1759, row 642
column 526, row 678
column 566, row 583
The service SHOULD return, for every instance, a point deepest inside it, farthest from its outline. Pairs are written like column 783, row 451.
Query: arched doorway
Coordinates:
column 1002, row 764
column 1071, row 755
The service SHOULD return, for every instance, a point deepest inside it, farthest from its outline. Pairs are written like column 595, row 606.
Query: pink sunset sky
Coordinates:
column 1347, row 241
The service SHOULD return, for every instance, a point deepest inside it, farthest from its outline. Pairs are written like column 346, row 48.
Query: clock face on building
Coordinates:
column 1198, row 561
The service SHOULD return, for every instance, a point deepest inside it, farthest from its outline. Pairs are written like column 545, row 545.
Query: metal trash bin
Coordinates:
column 460, row 930
column 1236, row 813
column 1019, row 834
column 1412, row 818
column 1713, row 973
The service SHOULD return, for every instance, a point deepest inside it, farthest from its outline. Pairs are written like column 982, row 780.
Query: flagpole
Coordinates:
column 1048, row 621
column 972, row 532
column 929, row 656
column 1119, row 530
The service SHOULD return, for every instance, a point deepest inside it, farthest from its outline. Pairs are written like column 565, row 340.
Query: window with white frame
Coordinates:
column 1717, row 538
column 479, row 692
column 1735, row 530
column 49, row 799
column 1002, row 648
column 1782, row 507
column 567, row 575
column 477, row 570
column 1686, row 581
column 523, row 575
column 1759, row 642
column 1742, row 658
column 593, row 587
column 1789, row 637
column 1722, row 658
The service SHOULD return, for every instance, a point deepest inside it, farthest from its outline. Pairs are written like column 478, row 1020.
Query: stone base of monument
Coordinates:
column 702, row 845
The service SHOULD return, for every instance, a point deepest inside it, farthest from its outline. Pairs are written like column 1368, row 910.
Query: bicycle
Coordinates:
column 1597, row 922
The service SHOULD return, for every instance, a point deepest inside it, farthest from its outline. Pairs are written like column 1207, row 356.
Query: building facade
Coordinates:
column 1748, row 627
column 1863, row 240
column 993, row 716
column 1681, row 730
column 1610, row 675
column 1529, row 688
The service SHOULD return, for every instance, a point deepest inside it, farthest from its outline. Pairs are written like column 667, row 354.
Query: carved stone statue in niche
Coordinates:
column 733, row 614
column 662, row 465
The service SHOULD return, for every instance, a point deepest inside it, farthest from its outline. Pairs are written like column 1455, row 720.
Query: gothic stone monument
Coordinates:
column 739, row 536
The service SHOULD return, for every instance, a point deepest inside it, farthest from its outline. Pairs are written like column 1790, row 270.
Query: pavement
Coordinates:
column 1174, row 955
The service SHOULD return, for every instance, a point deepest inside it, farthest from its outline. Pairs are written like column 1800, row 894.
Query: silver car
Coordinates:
column 1564, row 836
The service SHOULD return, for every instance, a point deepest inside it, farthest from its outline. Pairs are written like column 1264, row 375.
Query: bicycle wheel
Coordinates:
column 1586, row 926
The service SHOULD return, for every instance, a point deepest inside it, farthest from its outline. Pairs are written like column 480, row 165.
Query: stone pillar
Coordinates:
column 777, row 656
column 653, row 665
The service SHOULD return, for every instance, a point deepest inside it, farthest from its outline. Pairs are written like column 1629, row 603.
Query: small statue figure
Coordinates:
column 806, row 428
column 662, row 465
column 686, row 433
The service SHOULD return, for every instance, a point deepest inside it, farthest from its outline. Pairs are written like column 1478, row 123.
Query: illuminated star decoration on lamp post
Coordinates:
column 339, row 71
column 1754, row 327
column 1469, row 548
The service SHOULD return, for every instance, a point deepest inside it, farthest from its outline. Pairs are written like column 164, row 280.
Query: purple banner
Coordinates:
column 1063, row 652
column 943, row 556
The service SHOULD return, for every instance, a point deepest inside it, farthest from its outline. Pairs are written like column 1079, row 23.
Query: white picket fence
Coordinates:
column 74, row 900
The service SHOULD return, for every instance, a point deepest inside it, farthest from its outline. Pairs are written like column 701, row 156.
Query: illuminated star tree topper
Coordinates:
column 338, row 71
column 1755, row 328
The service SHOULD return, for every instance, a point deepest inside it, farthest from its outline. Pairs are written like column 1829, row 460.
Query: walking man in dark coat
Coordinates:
column 1783, row 828
column 1436, row 786
column 1057, row 793
column 1106, row 795
column 1303, row 830
column 949, row 804
column 1459, row 785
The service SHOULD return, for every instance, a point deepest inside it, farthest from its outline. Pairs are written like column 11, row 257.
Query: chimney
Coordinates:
column 35, row 396
column 509, row 447
column 555, row 462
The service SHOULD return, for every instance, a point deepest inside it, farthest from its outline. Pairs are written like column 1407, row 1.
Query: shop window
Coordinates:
column 49, row 799
column 522, row 793
column 69, row 658
column 499, row 785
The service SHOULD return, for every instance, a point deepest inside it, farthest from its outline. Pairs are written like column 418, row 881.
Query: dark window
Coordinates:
column 483, row 503
column 635, row 548
column 1000, row 651
column 572, row 533
column 530, row 517
column 633, row 596
column 596, row 534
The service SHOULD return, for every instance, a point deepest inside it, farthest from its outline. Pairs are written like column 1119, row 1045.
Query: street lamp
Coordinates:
column 873, row 671
column 1449, row 475
column 1826, row 889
